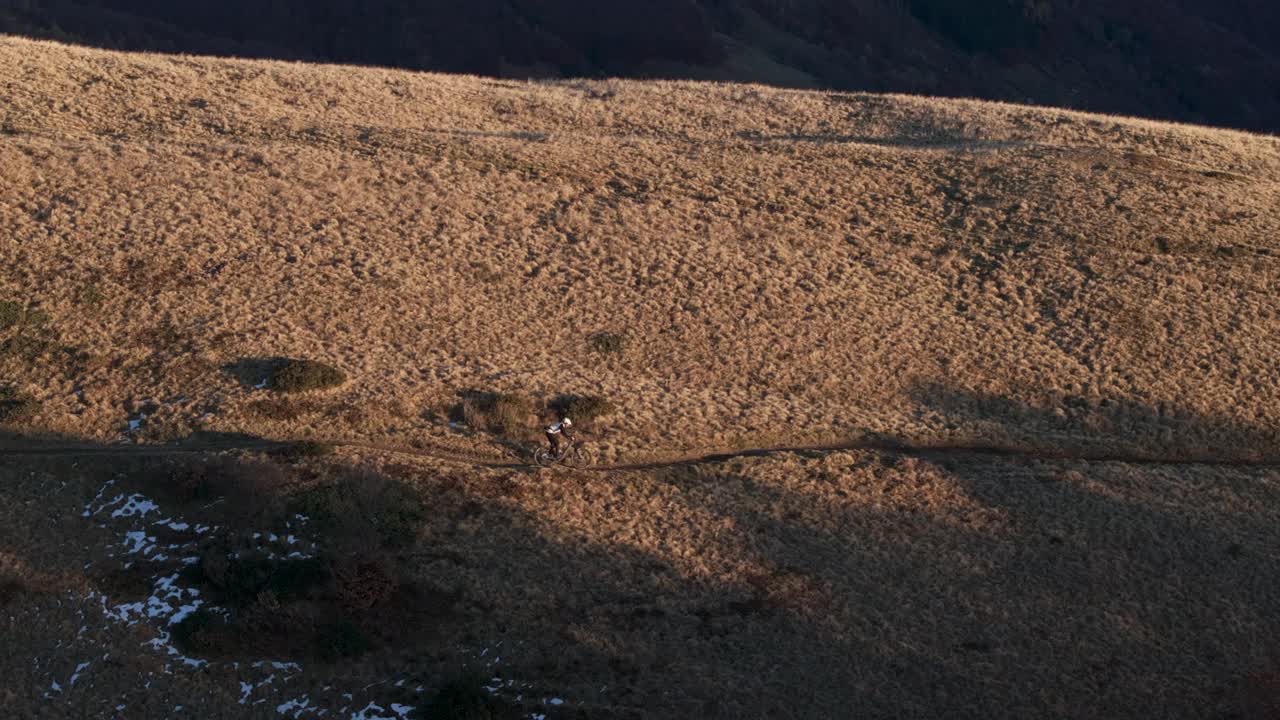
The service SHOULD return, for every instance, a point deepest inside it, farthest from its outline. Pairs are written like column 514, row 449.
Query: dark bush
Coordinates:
column 16, row 407
column 251, row 490
column 195, row 633
column 583, row 409
column 464, row 698
column 341, row 639
column 363, row 510
column 302, row 375
column 241, row 580
column 306, row 449
column 362, row 583
column 607, row 343
column 10, row 590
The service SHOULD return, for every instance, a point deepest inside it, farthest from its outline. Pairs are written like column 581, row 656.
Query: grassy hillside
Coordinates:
column 780, row 264
column 731, row 268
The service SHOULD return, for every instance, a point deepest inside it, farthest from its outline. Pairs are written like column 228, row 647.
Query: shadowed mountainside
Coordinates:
column 1205, row 61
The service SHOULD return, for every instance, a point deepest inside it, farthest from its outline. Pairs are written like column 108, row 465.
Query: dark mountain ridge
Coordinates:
column 1213, row 62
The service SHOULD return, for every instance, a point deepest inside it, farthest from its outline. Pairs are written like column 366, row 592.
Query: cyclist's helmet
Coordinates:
column 567, row 422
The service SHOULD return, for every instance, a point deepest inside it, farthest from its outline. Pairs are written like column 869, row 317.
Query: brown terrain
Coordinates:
column 907, row 407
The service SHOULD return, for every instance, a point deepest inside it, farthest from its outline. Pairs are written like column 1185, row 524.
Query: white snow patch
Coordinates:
column 363, row 714
column 88, row 509
column 75, row 675
column 294, row 706
column 135, row 505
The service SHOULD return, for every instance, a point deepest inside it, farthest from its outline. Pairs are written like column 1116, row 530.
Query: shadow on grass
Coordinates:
column 868, row 583
column 1068, row 424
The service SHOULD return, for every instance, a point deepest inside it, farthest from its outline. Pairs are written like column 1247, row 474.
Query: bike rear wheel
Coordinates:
column 544, row 457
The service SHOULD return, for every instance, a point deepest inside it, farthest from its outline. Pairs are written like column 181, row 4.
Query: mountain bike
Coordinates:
column 571, row 454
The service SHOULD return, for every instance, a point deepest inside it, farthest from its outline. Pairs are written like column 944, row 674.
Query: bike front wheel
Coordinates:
column 579, row 457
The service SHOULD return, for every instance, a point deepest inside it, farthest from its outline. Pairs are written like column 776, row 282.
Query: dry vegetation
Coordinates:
column 703, row 267
column 781, row 263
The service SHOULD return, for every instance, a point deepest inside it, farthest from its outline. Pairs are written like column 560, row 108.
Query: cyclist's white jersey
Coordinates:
column 557, row 428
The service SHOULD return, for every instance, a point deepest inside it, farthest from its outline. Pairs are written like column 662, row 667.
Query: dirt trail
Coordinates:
column 495, row 461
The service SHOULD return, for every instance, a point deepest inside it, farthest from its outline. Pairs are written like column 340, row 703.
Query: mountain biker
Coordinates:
column 555, row 431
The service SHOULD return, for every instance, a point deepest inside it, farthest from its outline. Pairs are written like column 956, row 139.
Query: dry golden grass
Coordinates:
column 783, row 268
column 782, row 263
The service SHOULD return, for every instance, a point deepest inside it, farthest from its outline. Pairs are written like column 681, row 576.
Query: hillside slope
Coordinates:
column 1024, row 362
column 780, row 264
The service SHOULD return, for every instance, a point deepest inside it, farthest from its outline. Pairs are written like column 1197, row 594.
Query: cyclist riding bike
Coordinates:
column 558, row 434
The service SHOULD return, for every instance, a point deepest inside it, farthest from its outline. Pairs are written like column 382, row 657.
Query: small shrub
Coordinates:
column 306, row 449
column 302, row 375
column 196, row 632
column 464, row 698
column 584, row 409
column 16, row 407
column 501, row 413
column 607, row 343
column 91, row 295
column 10, row 590
column 363, row 583
column 251, row 490
column 16, row 315
column 24, row 347
column 341, row 639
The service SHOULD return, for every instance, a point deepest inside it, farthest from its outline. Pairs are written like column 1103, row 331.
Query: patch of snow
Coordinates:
column 294, row 706
column 135, row 505
column 364, row 713
column 88, row 509
column 75, row 675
